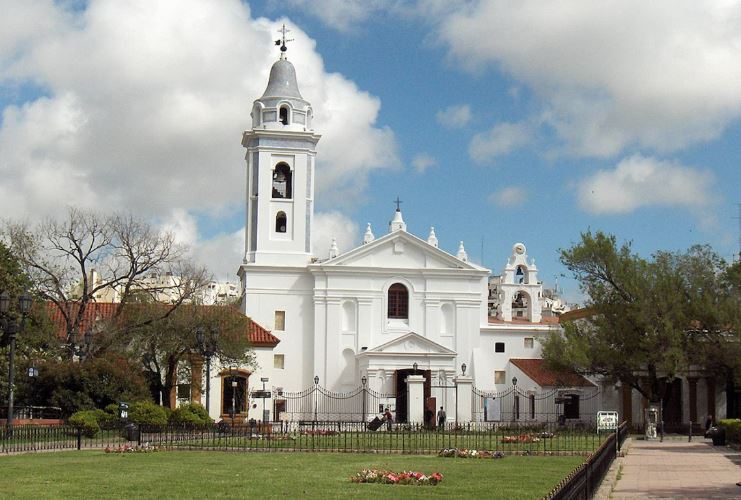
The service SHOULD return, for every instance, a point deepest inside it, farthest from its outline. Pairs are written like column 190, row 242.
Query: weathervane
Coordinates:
column 282, row 41
column 398, row 202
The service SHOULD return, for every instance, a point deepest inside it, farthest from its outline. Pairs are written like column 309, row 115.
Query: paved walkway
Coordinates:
column 677, row 469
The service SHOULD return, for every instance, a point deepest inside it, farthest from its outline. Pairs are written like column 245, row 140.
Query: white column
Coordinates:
column 415, row 399
column 463, row 403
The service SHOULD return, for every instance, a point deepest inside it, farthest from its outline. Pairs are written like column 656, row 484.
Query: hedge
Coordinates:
column 733, row 429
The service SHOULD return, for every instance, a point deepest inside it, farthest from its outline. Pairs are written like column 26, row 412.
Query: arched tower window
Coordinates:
column 521, row 275
column 521, row 306
column 282, row 181
column 283, row 115
column 281, row 221
column 398, row 302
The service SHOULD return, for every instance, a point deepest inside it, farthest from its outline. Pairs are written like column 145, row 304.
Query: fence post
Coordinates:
column 79, row 438
column 464, row 399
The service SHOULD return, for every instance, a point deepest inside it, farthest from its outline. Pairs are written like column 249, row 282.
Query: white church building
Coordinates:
column 396, row 313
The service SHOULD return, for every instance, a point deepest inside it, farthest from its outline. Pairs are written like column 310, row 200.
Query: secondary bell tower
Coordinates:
column 281, row 152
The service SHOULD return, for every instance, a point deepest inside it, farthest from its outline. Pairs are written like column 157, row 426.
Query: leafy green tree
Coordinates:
column 36, row 342
column 639, row 313
column 167, row 346
column 94, row 383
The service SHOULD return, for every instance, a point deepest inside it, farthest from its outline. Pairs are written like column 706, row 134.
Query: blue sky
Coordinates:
column 493, row 121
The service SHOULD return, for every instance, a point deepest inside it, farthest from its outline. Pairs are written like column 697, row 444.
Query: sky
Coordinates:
column 494, row 121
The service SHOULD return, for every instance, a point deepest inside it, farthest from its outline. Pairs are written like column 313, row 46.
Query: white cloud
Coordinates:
column 454, row 116
column 347, row 15
column 422, row 162
column 640, row 181
column 222, row 254
column 145, row 103
column 328, row 225
column 183, row 226
column 510, row 196
column 615, row 74
column 499, row 140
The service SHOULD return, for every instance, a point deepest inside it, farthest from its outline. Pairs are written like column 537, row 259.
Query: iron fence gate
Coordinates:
column 317, row 403
column 565, row 406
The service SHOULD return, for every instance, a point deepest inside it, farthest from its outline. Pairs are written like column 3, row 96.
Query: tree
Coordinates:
column 640, row 311
column 36, row 342
column 167, row 347
column 714, row 338
column 73, row 261
column 94, row 383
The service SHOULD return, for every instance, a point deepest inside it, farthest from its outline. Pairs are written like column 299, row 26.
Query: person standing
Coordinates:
column 389, row 418
column 441, row 418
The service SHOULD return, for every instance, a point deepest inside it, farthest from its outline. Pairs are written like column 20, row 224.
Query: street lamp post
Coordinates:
column 208, row 348
column 364, row 381
column 81, row 350
column 514, row 397
column 264, row 414
column 33, row 374
column 235, row 384
column 316, row 396
column 11, row 328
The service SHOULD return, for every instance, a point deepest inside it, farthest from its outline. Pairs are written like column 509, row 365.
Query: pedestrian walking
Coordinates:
column 441, row 418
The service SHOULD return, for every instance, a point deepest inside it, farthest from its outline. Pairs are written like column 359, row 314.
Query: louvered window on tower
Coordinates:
column 398, row 302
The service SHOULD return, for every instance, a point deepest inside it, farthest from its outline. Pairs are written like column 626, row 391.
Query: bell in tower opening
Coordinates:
column 282, row 181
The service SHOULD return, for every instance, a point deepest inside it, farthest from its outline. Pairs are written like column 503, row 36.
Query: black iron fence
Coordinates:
column 310, row 435
column 33, row 412
column 584, row 481
column 320, row 404
column 565, row 406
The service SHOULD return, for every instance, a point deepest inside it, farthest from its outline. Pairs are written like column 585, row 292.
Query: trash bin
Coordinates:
column 718, row 435
column 132, row 432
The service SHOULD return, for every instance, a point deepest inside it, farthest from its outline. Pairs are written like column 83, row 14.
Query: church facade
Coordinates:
column 372, row 313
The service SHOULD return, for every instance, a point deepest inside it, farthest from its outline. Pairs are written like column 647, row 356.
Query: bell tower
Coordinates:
column 281, row 152
column 519, row 289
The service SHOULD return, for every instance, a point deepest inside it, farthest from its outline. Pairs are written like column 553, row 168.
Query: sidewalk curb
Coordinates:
column 604, row 492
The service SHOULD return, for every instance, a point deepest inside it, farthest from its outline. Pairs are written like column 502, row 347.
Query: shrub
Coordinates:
column 87, row 420
column 147, row 413
column 191, row 413
column 733, row 429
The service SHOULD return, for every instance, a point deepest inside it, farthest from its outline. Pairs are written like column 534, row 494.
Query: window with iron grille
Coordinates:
column 398, row 302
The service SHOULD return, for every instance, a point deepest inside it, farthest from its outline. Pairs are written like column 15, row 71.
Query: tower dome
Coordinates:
column 281, row 106
column 282, row 81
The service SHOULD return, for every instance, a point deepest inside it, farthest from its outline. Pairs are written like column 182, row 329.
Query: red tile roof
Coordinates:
column 261, row 337
column 257, row 335
column 545, row 320
column 544, row 377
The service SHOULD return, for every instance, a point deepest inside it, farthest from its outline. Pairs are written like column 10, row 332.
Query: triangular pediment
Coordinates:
column 410, row 343
column 399, row 250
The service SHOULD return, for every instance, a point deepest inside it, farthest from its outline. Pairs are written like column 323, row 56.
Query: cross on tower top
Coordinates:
column 282, row 41
column 398, row 202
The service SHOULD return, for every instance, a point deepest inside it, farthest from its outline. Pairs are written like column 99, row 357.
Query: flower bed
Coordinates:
column 319, row 432
column 522, row 438
column 389, row 477
column 127, row 448
column 464, row 453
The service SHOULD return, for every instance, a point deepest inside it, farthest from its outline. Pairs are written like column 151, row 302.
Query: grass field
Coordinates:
column 94, row 474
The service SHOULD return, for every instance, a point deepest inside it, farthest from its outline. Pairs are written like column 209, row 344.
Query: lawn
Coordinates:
column 172, row 474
